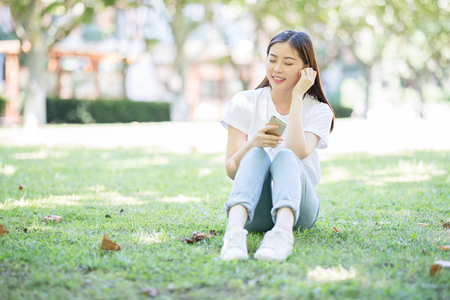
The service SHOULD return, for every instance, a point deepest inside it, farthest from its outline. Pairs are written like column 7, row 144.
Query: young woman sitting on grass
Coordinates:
column 274, row 176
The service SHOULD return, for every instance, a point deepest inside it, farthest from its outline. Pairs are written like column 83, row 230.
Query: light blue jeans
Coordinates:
column 252, row 188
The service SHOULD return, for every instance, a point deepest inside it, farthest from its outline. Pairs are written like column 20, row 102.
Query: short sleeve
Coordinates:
column 237, row 114
column 318, row 121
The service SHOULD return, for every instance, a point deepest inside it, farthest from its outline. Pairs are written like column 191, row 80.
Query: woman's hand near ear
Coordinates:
column 307, row 79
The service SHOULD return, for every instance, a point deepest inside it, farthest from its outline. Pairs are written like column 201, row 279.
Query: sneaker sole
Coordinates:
column 266, row 258
column 234, row 255
column 234, row 258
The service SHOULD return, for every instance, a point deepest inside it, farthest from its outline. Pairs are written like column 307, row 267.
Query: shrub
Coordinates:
column 2, row 105
column 342, row 111
column 106, row 111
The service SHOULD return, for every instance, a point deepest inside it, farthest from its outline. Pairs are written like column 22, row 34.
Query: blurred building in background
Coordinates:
column 374, row 58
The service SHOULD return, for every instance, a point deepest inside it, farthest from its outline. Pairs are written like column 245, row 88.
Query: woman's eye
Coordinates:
column 271, row 60
column 289, row 64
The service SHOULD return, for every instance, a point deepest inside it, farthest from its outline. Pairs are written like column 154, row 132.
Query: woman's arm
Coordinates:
column 300, row 142
column 238, row 144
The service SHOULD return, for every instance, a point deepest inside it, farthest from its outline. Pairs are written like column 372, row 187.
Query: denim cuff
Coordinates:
column 281, row 204
column 244, row 202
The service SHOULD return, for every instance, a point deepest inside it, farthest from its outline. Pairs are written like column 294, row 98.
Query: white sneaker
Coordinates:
column 234, row 245
column 277, row 245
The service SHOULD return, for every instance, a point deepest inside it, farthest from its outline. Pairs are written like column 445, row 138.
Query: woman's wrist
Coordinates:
column 249, row 144
column 298, row 96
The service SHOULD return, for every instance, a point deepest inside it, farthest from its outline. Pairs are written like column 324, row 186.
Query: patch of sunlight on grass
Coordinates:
column 118, row 199
column 7, row 170
column 335, row 174
column 181, row 199
column 105, row 156
column 152, row 238
column 72, row 200
column 326, row 156
column 382, row 181
column 378, row 183
column 138, row 163
column 96, row 188
column 219, row 159
column 32, row 155
column 10, row 204
column 43, row 154
column 407, row 167
column 407, row 178
column 147, row 193
column 204, row 172
column 338, row 273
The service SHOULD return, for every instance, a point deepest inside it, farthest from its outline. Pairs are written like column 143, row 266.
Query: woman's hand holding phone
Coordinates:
column 262, row 139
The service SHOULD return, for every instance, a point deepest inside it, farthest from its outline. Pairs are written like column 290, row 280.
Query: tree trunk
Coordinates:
column 124, row 74
column 419, row 86
column 368, row 75
column 180, row 107
column 181, row 28
column 35, row 103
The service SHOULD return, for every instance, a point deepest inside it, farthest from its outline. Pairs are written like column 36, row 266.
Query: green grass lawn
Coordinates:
column 165, row 197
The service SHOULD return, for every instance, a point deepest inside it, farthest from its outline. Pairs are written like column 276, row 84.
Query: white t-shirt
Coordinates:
column 250, row 110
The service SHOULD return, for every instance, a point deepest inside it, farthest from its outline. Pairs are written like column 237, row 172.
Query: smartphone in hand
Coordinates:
column 277, row 131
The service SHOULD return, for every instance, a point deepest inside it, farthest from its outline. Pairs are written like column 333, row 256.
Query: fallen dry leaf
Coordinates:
column 121, row 211
column 198, row 236
column 193, row 149
column 57, row 219
column 437, row 265
column 108, row 216
column 256, row 280
column 335, row 230
column 151, row 292
column 446, row 225
column 107, row 244
column 20, row 187
column 3, row 231
column 425, row 251
column 172, row 287
column 443, row 247
column 424, row 224
column 88, row 269
column 383, row 223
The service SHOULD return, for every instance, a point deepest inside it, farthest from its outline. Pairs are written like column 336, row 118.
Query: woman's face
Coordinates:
column 283, row 67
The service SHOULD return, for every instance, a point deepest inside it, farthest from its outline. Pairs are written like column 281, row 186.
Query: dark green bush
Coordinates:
column 2, row 105
column 106, row 111
column 342, row 111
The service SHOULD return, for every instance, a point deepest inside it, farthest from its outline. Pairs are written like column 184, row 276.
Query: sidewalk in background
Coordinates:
column 209, row 137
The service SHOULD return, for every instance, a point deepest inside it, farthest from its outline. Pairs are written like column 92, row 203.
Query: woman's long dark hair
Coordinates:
column 301, row 42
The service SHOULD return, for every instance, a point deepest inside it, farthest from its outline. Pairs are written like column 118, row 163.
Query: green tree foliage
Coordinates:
column 413, row 34
column 39, row 24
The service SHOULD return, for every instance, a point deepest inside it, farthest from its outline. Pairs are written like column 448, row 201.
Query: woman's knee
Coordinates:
column 285, row 154
column 258, row 152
